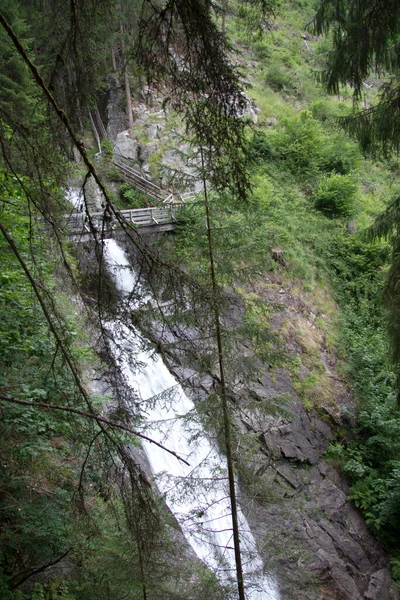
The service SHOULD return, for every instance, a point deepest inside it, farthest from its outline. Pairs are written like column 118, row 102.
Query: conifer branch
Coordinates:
column 95, row 416
column 61, row 344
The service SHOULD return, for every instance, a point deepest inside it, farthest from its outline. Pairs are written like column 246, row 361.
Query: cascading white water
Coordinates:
column 197, row 495
column 75, row 196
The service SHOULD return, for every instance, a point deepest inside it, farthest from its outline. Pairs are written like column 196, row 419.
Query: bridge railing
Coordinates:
column 141, row 217
column 138, row 181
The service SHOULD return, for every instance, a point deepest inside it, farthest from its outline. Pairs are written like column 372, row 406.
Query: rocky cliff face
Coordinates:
column 156, row 144
column 311, row 537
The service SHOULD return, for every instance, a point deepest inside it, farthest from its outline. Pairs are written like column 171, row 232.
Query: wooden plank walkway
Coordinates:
column 157, row 218
column 161, row 218
column 135, row 178
column 129, row 173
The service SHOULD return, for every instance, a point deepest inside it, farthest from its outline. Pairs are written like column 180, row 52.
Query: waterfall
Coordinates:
column 197, row 494
column 75, row 197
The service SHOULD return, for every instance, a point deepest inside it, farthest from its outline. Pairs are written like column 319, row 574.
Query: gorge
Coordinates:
column 279, row 258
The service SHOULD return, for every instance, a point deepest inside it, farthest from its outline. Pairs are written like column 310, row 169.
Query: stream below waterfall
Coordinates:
column 197, row 495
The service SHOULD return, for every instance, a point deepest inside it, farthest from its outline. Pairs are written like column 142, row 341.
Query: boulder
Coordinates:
column 152, row 131
column 125, row 146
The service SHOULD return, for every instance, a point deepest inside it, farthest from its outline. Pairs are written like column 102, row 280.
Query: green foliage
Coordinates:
column 278, row 77
column 36, row 479
column 132, row 197
column 259, row 147
column 301, row 157
column 298, row 142
column 335, row 196
column 307, row 148
column 14, row 75
column 371, row 460
column 107, row 147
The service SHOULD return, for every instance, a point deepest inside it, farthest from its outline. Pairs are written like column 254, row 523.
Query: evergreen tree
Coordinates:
column 64, row 74
column 366, row 39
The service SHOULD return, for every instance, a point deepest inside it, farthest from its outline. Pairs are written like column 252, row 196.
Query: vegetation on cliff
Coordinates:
column 74, row 506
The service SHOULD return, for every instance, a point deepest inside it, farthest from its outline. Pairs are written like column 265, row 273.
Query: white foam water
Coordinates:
column 197, row 494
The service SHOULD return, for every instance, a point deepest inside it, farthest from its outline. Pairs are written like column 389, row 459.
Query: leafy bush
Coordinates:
column 340, row 155
column 107, row 147
column 336, row 195
column 259, row 147
column 132, row 197
column 277, row 77
column 299, row 142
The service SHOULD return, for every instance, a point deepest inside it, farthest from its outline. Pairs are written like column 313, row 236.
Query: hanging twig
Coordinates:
column 41, row 569
column 95, row 416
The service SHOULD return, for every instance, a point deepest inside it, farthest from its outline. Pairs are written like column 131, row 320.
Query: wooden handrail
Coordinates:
column 141, row 217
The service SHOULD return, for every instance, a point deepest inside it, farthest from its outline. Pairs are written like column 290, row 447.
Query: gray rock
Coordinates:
column 146, row 169
column 323, row 428
column 312, row 456
column 172, row 160
column 287, row 428
column 329, row 497
column 140, row 120
column 337, row 568
column 289, row 450
column 271, row 440
column 346, row 545
column 125, row 146
column 318, row 538
column 252, row 114
column 146, row 150
column 323, row 468
column 379, row 586
column 116, row 116
column 288, row 475
column 148, row 96
column 152, row 131
column 183, row 374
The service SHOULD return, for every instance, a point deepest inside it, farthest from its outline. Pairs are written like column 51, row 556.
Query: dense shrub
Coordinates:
column 278, row 77
column 299, row 142
column 340, row 155
column 336, row 195
column 132, row 197
column 259, row 147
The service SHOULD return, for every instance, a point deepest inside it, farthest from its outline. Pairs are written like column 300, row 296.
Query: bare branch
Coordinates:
column 92, row 416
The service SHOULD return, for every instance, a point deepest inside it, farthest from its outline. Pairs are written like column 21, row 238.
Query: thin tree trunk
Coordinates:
column 95, row 132
column 128, row 98
column 224, row 401
column 127, row 84
column 224, row 6
column 113, row 60
column 74, row 86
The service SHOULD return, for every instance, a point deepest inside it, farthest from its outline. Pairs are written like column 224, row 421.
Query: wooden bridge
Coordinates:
column 148, row 220
column 128, row 172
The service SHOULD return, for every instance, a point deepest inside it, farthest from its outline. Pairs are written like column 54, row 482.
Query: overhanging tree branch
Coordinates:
column 91, row 416
column 61, row 344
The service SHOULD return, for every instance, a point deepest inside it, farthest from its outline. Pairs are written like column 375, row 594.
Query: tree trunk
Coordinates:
column 224, row 400
column 113, row 60
column 224, row 7
column 127, row 84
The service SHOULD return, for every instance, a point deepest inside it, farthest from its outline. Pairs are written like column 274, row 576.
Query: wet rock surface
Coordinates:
column 311, row 537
